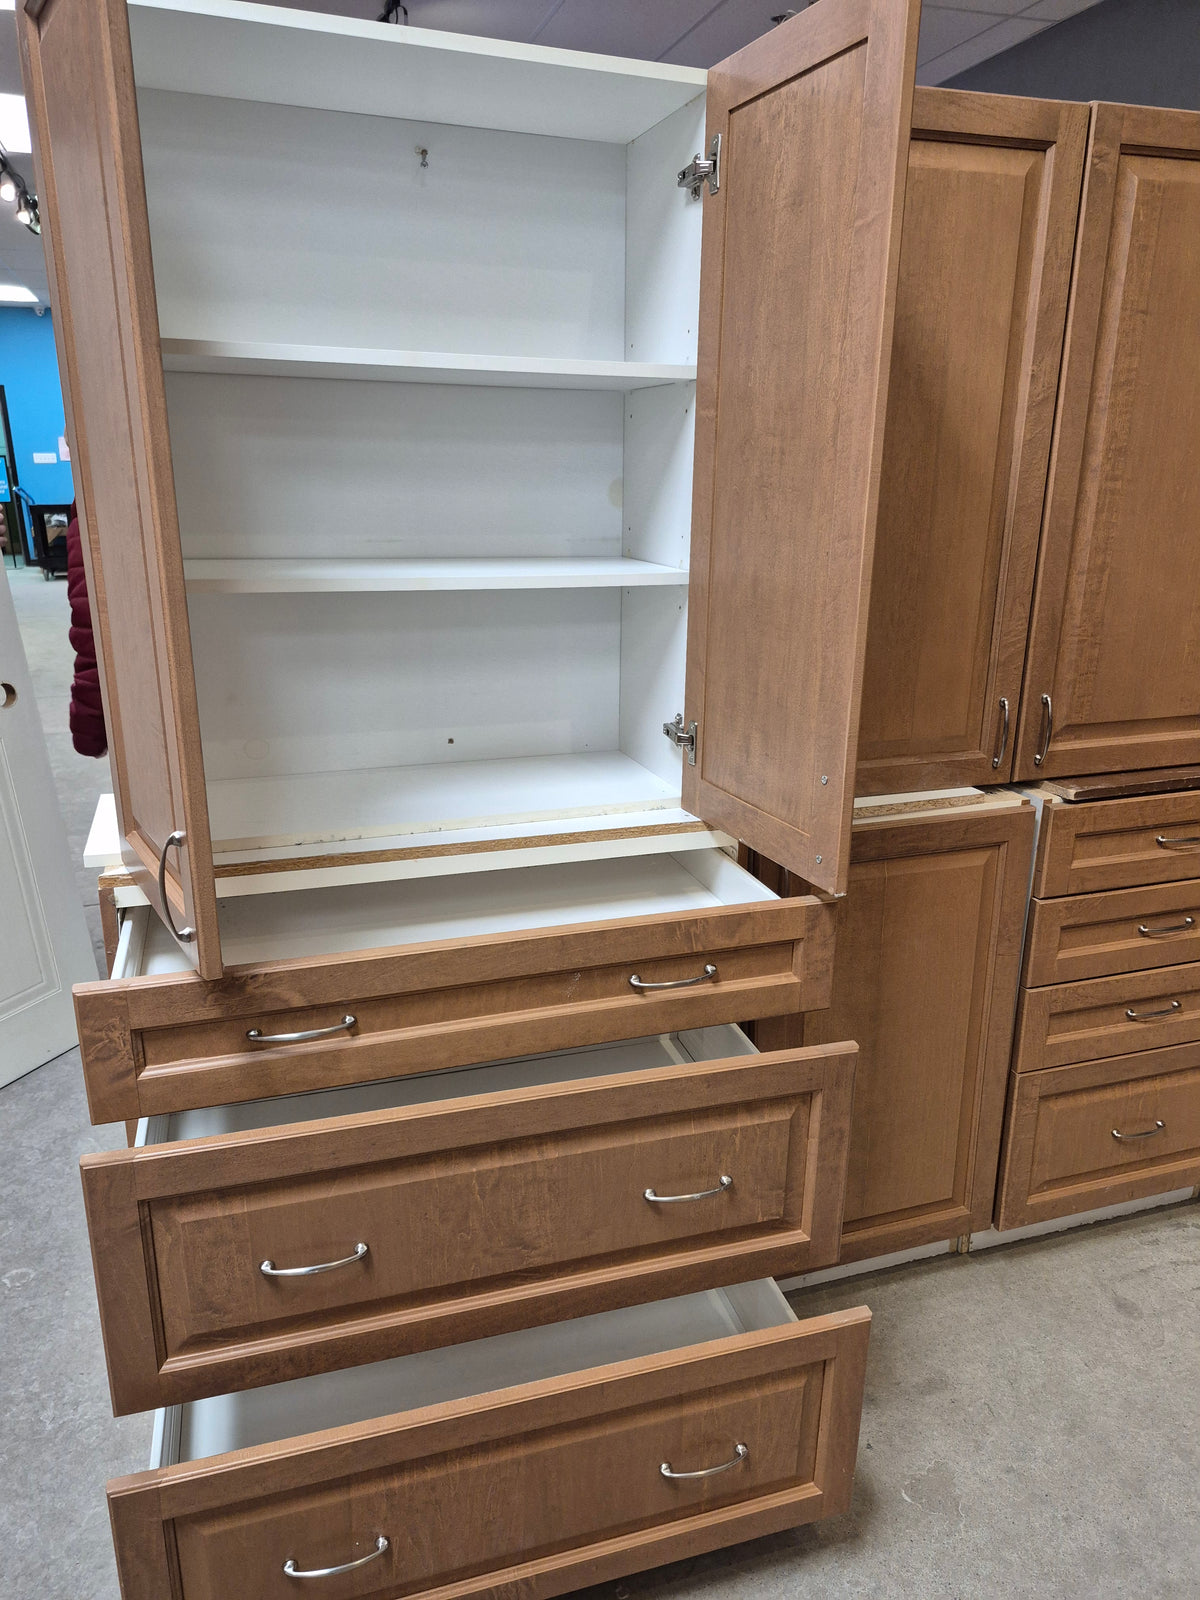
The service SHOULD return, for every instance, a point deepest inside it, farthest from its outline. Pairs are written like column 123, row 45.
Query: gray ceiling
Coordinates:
column 694, row 33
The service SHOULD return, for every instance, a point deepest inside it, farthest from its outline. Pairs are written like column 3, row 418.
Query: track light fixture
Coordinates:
column 13, row 188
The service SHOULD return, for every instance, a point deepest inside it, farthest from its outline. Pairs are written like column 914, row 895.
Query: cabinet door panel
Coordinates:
column 79, row 74
column 800, row 252
column 985, row 260
column 925, row 981
column 1115, row 642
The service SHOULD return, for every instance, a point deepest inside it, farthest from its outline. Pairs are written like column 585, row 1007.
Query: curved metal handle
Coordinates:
column 184, row 935
column 1146, row 1133
column 701, row 1194
column 1186, row 841
column 293, row 1571
column 270, row 1270
column 1163, row 933
column 259, row 1037
column 999, row 756
column 1047, row 730
column 675, row 983
column 1149, row 1016
column 740, row 1454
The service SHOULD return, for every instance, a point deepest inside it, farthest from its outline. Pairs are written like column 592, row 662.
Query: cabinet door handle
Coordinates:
column 298, row 1038
column 270, row 1270
column 1047, row 730
column 184, row 935
column 1149, row 1016
column 1002, row 734
column 1183, row 841
column 1146, row 1133
column 706, row 976
column 1163, row 933
column 740, row 1454
column 701, row 1194
column 293, row 1571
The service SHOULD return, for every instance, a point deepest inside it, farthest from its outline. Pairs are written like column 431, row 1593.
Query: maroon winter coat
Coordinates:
column 87, row 709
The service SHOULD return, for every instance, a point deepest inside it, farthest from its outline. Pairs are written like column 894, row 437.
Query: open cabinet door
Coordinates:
column 801, row 248
column 79, row 77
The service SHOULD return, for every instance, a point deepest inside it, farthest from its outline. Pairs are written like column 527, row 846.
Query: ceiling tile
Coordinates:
column 10, row 61
column 993, row 8
column 1057, row 10
column 943, row 27
column 1002, row 36
column 489, row 19
column 621, row 27
column 726, row 28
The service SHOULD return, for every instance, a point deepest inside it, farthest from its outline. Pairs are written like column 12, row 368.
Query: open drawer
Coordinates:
column 433, row 973
column 538, row 1461
column 254, row 1243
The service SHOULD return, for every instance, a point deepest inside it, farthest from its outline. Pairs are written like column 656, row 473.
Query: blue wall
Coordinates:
column 29, row 373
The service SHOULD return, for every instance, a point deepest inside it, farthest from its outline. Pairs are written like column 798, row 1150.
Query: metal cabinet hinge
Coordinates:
column 699, row 171
column 682, row 738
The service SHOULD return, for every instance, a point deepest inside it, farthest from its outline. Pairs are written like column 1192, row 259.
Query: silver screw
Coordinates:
column 824, row 777
column 820, row 859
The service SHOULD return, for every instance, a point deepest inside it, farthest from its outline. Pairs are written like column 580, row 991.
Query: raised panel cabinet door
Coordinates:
column 990, row 210
column 925, row 981
column 79, row 77
column 1112, row 679
column 798, row 278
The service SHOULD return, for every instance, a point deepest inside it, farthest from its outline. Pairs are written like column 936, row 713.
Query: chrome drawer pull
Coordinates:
column 1003, row 734
column 1184, row 841
column 293, row 1571
column 673, row 1199
column 270, row 1270
column 298, row 1038
column 675, row 983
column 1146, row 1133
column 1043, row 749
column 184, row 935
column 1149, row 1016
column 740, row 1454
column 1162, row 933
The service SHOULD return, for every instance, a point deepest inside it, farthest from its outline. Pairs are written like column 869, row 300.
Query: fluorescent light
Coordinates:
column 8, row 5
column 14, row 125
column 16, row 294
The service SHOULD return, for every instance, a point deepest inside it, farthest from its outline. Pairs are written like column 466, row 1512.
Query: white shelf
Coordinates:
column 253, row 575
column 300, row 58
column 253, row 359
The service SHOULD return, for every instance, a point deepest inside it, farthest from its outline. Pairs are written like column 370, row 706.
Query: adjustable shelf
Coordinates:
column 281, row 575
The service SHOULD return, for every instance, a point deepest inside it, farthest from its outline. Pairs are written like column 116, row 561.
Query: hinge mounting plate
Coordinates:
column 682, row 738
column 700, row 171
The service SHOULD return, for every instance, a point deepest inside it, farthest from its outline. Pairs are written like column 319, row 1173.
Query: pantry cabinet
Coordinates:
column 925, row 980
column 456, row 295
column 990, row 209
column 1112, row 681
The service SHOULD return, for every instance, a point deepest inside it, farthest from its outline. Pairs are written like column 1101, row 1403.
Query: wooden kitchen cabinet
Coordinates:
column 479, row 347
column 925, row 982
column 1112, row 678
column 990, row 210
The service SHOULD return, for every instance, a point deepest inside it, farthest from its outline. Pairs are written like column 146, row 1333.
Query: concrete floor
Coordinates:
column 1031, row 1425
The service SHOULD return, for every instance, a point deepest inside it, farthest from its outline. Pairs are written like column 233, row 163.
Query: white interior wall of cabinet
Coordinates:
column 278, row 223
column 662, row 240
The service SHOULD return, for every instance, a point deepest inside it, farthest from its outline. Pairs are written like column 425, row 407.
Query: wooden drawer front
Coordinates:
column 1063, row 1155
column 1124, row 930
column 1113, row 844
column 534, row 1490
column 1087, row 1021
column 161, row 1044
column 496, row 1211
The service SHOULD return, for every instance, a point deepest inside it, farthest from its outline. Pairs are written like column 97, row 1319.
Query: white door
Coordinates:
column 44, row 942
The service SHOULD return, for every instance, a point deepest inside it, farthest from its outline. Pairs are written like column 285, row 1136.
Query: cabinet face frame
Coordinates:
column 1019, row 449
column 978, row 1113
column 1087, row 462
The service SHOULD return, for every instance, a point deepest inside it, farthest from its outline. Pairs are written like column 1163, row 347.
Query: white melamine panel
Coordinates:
column 220, row 47
column 419, row 575
column 274, row 467
column 659, row 426
column 313, row 922
column 662, row 251
column 277, row 224
column 307, row 1405
column 329, row 683
column 359, row 363
column 653, row 668
column 524, row 1072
